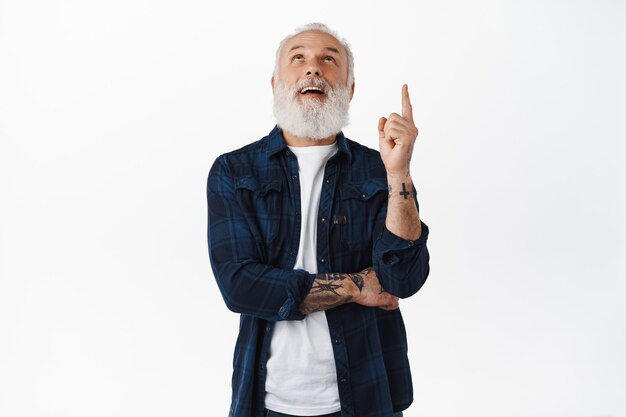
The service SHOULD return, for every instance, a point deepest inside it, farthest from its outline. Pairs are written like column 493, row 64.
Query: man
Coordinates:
column 312, row 239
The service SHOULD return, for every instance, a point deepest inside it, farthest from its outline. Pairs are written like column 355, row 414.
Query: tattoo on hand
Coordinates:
column 358, row 281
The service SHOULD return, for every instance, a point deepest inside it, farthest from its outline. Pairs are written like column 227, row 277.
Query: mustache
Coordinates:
column 313, row 82
column 309, row 82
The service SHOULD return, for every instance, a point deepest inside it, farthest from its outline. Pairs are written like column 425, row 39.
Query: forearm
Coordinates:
column 403, row 218
column 334, row 289
column 331, row 290
column 400, row 256
column 253, row 288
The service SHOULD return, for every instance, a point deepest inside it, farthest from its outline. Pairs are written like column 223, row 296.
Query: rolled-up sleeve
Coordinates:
column 248, row 285
column 402, row 265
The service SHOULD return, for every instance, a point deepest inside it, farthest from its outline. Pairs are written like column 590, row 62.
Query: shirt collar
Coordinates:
column 276, row 143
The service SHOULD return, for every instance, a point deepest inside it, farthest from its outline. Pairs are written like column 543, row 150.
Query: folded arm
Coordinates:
column 251, row 286
column 334, row 289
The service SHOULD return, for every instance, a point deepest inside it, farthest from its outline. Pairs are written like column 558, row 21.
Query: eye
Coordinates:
column 329, row 59
column 297, row 58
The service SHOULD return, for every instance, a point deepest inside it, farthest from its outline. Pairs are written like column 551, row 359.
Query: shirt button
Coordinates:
column 343, row 380
column 297, row 213
column 364, row 195
column 291, row 253
column 323, row 219
column 337, row 341
column 294, row 177
column 288, row 152
column 327, row 180
column 323, row 260
column 268, row 328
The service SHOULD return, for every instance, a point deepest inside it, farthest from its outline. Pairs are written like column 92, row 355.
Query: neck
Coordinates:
column 293, row 140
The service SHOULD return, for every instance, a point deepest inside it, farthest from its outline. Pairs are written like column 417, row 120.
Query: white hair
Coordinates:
column 319, row 27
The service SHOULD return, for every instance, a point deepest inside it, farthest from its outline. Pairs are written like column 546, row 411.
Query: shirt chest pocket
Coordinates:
column 262, row 204
column 361, row 203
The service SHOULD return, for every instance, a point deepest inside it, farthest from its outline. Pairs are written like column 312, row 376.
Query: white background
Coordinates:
column 112, row 112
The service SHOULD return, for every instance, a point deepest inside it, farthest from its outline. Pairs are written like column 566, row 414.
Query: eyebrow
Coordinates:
column 328, row 48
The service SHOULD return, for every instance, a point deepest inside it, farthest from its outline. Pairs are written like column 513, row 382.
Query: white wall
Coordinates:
column 111, row 114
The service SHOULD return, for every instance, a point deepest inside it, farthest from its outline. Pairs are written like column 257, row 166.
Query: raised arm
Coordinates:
column 397, row 136
column 400, row 255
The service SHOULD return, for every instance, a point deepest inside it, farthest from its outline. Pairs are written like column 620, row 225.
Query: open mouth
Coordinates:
column 312, row 90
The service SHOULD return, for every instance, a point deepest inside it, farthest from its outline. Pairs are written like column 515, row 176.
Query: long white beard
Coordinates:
column 311, row 118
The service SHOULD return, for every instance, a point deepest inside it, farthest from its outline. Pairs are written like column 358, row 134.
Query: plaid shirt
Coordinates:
column 253, row 233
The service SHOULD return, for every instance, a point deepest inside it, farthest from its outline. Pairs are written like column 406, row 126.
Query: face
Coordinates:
column 313, row 56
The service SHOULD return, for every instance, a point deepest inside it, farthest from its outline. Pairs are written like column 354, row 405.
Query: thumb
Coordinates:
column 381, row 127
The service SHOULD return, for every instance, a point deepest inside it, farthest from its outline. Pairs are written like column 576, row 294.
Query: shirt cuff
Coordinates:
column 298, row 289
column 393, row 242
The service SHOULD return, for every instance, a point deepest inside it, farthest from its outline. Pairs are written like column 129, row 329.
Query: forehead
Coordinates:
column 313, row 40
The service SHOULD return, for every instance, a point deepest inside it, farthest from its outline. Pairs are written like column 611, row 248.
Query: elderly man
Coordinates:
column 312, row 239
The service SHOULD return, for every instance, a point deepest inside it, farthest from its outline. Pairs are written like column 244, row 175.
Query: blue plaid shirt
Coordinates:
column 253, row 233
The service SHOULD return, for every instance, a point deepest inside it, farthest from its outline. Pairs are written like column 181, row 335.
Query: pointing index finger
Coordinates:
column 407, row 109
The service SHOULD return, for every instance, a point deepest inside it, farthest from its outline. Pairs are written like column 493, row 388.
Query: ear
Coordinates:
column 352, row 91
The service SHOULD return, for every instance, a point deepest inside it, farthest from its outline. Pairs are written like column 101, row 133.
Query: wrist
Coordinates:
column 398, row 177
column 353, row 294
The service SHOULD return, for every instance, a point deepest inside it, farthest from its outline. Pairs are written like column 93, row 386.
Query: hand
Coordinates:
column 370, row 293
column 397, row 135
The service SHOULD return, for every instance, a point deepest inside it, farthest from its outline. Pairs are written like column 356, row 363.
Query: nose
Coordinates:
column 313, row 71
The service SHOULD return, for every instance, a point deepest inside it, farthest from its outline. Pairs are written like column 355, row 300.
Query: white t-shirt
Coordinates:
column 301, row 374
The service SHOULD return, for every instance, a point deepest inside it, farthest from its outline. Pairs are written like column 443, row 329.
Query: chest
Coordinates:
column 350, row 211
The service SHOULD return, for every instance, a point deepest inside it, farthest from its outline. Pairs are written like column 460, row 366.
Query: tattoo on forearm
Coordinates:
column 333, row 276
column 325, row 294
column 404, row 193
column 319, row 287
